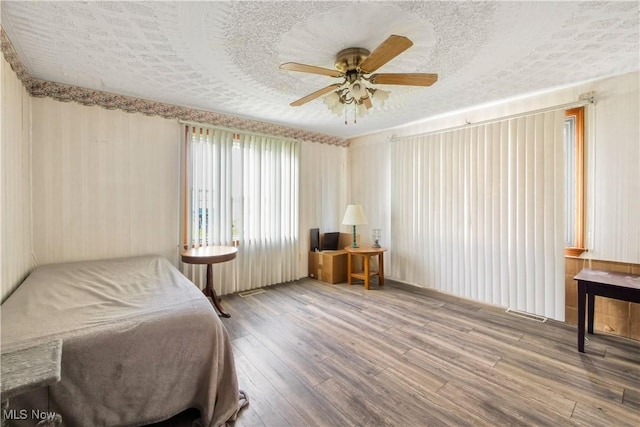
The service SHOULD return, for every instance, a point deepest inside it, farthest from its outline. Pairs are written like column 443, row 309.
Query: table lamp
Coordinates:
column 354, row 216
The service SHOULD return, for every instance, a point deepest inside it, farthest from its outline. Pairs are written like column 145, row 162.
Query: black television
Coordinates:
column 330, row 241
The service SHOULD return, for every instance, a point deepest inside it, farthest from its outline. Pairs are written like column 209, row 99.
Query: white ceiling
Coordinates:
column 223, row 56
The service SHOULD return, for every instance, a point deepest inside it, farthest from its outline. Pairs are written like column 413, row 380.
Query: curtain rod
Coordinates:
column 584, row 99
column 244, row 132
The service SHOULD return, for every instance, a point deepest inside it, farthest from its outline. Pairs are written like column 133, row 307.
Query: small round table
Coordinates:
column 210, row 255
column 366, row 254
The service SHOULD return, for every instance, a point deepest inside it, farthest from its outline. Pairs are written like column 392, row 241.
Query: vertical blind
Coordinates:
column 483, row 207
column 242, row 189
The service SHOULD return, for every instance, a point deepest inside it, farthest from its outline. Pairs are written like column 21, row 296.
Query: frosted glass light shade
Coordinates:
column 332, row 101
column 379, row 96
column 358, row 90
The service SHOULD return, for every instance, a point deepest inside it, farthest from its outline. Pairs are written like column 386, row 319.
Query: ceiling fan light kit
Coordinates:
column 352, row 65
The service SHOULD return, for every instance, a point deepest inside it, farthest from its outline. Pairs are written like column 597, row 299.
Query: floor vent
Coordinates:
column 251, row 292
column 529, row 316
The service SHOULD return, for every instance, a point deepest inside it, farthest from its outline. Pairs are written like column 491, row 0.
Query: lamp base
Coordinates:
column 354, row 244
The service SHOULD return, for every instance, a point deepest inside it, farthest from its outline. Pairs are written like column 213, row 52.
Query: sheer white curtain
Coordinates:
column 242, row 189
column 478, row 212
column 268, row 224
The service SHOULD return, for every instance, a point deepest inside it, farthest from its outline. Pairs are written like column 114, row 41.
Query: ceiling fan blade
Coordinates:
column 367, row 102
column 389, row 49
column 303, row 68
column 408, row 79
column 315, row 95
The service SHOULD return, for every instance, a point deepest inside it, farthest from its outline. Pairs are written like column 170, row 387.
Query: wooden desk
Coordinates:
column 210, row 255
column 608, row 284
column 366, row 254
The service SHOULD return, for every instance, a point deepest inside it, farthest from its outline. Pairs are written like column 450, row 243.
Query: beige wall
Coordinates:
column 106, row 183
column 612, row 172
column 15, row 185
column 323, row 193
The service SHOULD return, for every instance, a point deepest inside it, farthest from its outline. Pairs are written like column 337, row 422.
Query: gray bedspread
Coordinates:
column 140, row 343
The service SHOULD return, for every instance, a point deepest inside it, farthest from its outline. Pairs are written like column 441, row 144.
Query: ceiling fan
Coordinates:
column 354, row 65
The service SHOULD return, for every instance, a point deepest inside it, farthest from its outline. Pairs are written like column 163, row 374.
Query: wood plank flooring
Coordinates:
column 314, row 354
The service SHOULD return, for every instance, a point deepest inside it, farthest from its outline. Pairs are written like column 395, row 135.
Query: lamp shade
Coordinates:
column 354, row 215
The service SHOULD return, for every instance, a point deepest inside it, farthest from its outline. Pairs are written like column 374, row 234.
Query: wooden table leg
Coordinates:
column 582, row 296
column 381, row 269
column 591, row 305
column 210, row 291
column 349, row 265
column 367, row 272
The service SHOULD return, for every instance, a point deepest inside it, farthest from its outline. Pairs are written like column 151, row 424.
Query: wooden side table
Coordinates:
column 210, row 255
column 366, row 254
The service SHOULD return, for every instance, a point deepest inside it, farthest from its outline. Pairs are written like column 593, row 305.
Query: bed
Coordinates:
column 140, row 343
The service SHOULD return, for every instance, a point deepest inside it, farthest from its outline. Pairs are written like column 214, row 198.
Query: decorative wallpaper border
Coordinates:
column 66, row 93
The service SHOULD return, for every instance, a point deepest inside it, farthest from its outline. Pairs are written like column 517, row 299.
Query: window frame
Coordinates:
column 578, row 246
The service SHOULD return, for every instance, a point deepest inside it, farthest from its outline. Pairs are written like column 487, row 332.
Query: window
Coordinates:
column 574, row 181
column 241, row 189
column 202, row 203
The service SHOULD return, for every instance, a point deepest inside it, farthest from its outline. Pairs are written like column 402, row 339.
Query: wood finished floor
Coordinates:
column 310, row 353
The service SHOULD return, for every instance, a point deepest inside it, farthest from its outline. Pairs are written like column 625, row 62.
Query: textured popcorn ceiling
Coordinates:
column 224, row 56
